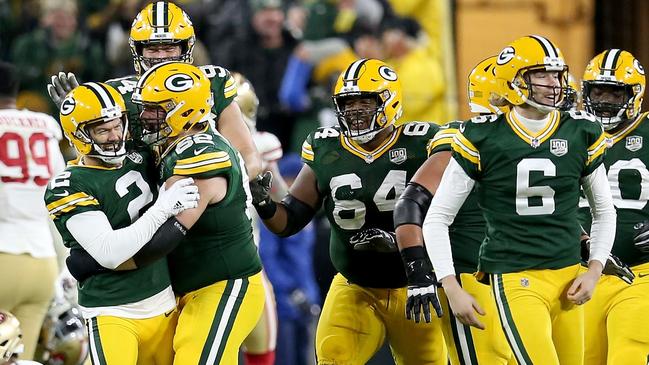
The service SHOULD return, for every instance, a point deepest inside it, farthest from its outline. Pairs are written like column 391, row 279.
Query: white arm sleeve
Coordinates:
column 453, row 190
column 108, row 246
column 602, row 231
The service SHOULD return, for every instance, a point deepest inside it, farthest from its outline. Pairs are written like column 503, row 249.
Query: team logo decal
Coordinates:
column 387, row 73
column 68, row 106
column 638, row 67
column 506, row 55
column 558, row 147
column 398, row 155
column 135, row 157
column 525, row 282
column 633, row 143
column 179, row 82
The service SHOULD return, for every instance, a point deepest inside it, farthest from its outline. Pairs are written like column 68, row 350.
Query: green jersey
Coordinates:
column 529, row 186
column 626, row 164
column 359, row 190
column 122, row 194
column 220, row 245
column 224, row 90
column 468, row 229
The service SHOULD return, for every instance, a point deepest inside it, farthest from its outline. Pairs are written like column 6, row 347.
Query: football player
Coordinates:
column 11, row 342
column 529, row 164
column 29, row 157
column 163, row 32
column 613, row 89
column 466, row 345
column 357, row 171
column 215, row 272
column 261, row 343
column 98, row 205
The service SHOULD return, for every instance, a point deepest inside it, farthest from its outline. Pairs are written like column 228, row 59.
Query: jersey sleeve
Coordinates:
column 224, row 89
column 465, row 152
column 443, row 139
column 65, row 197
column 596, row 141
column 315, row 139
column 201, row 161
column 308, row 156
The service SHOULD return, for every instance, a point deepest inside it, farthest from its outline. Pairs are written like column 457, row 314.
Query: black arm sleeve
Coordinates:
column 166, row 238
column 412, row 206
column 299, row 214
column 82, row 266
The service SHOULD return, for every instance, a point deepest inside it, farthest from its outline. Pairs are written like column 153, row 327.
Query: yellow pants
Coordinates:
column 263, row 337
column 26, row 291
column 124, row 341
column 355, row 321
column 214, row 321
column 469, row 345
column 540, row 324
column 617, row 321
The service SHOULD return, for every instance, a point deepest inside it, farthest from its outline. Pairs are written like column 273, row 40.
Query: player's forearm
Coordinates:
column 409, row 235
column 602, row 232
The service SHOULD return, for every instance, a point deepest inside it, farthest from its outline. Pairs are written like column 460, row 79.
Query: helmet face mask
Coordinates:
column 111, row 152
column 541, row 95
column 373, row 90
column 153, row 120
column 613, row 87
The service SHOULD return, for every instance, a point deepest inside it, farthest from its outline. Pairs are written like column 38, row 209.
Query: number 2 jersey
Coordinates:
column 29, row 157
column 529, row 186
column 122, row 194
column 220, row 245
column 626, row 164
column 359, row 190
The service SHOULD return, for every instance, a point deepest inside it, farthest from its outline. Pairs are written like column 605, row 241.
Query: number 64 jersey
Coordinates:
column 360, row 189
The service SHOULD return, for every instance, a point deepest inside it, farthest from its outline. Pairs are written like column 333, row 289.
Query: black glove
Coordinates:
column 641, row 239
column 374, row 239
column 422, row 284
column 260, row 190
column 615, row 266
column 82, row 266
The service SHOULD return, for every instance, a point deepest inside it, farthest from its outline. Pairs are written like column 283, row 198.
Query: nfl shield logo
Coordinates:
column 558, row 147
column 398, row 155
column 135, row 157
column 633, row 143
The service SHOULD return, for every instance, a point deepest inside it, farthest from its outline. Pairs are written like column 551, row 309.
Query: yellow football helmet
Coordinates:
column 246, row 99
column 181, row 95
column 87, row 104
column 368, row 79
column 10, row 336
column 481, row 88
column 161, row 22
column 618, row 69
column 514, row 62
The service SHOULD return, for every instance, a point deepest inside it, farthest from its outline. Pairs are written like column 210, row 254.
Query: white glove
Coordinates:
column 60, row 86
column 183, row 194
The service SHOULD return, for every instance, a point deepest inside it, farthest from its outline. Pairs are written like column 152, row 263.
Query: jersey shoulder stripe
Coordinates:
column 202, row 163
column 69, row 203
column 307, row 151
column 442, row 141
column 466, row 149
column 597, row 149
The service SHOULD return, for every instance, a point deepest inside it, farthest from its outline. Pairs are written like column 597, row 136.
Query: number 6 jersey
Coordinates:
column 529, row 186
column 360, row 189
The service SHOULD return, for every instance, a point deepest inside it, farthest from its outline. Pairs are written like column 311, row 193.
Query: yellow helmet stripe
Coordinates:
column 609, row 62
column 351, row 75
column 548, row 47
column 106, row 100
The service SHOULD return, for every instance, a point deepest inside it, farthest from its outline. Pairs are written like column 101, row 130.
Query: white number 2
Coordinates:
column 123, row 183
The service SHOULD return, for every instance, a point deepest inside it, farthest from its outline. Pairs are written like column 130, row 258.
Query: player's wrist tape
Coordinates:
column 266, row 209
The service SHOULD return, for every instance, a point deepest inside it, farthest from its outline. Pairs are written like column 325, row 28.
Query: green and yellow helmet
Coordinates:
column 161, row 22
column 85, row 106
column 619, row 69
column 481, row 88
column 369, row 78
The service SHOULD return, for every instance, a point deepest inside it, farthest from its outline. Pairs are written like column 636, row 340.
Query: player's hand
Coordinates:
column 463, row 305
column 583, row 287
column 374, row 239
column 641, row 239
column 615, row 266
column 422, row 285
column 60, row 86
column 182, row 195
column 260, row 189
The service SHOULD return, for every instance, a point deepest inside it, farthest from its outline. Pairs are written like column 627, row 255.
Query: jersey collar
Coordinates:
column 534, row 139
column 613, row 138
column 370, row 156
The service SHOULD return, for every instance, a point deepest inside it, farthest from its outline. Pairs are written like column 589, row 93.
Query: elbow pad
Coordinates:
column 166, row 238
column 298, row 215
column 412, row 206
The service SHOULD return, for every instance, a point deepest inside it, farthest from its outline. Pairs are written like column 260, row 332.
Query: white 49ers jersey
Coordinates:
column 268, row 146
column 29, row 157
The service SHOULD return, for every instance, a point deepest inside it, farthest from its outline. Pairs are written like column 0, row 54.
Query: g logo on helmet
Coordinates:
column 387, row 73
column 67, row 106
column 505, row 55
column 638, row 67
column 179, row 82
